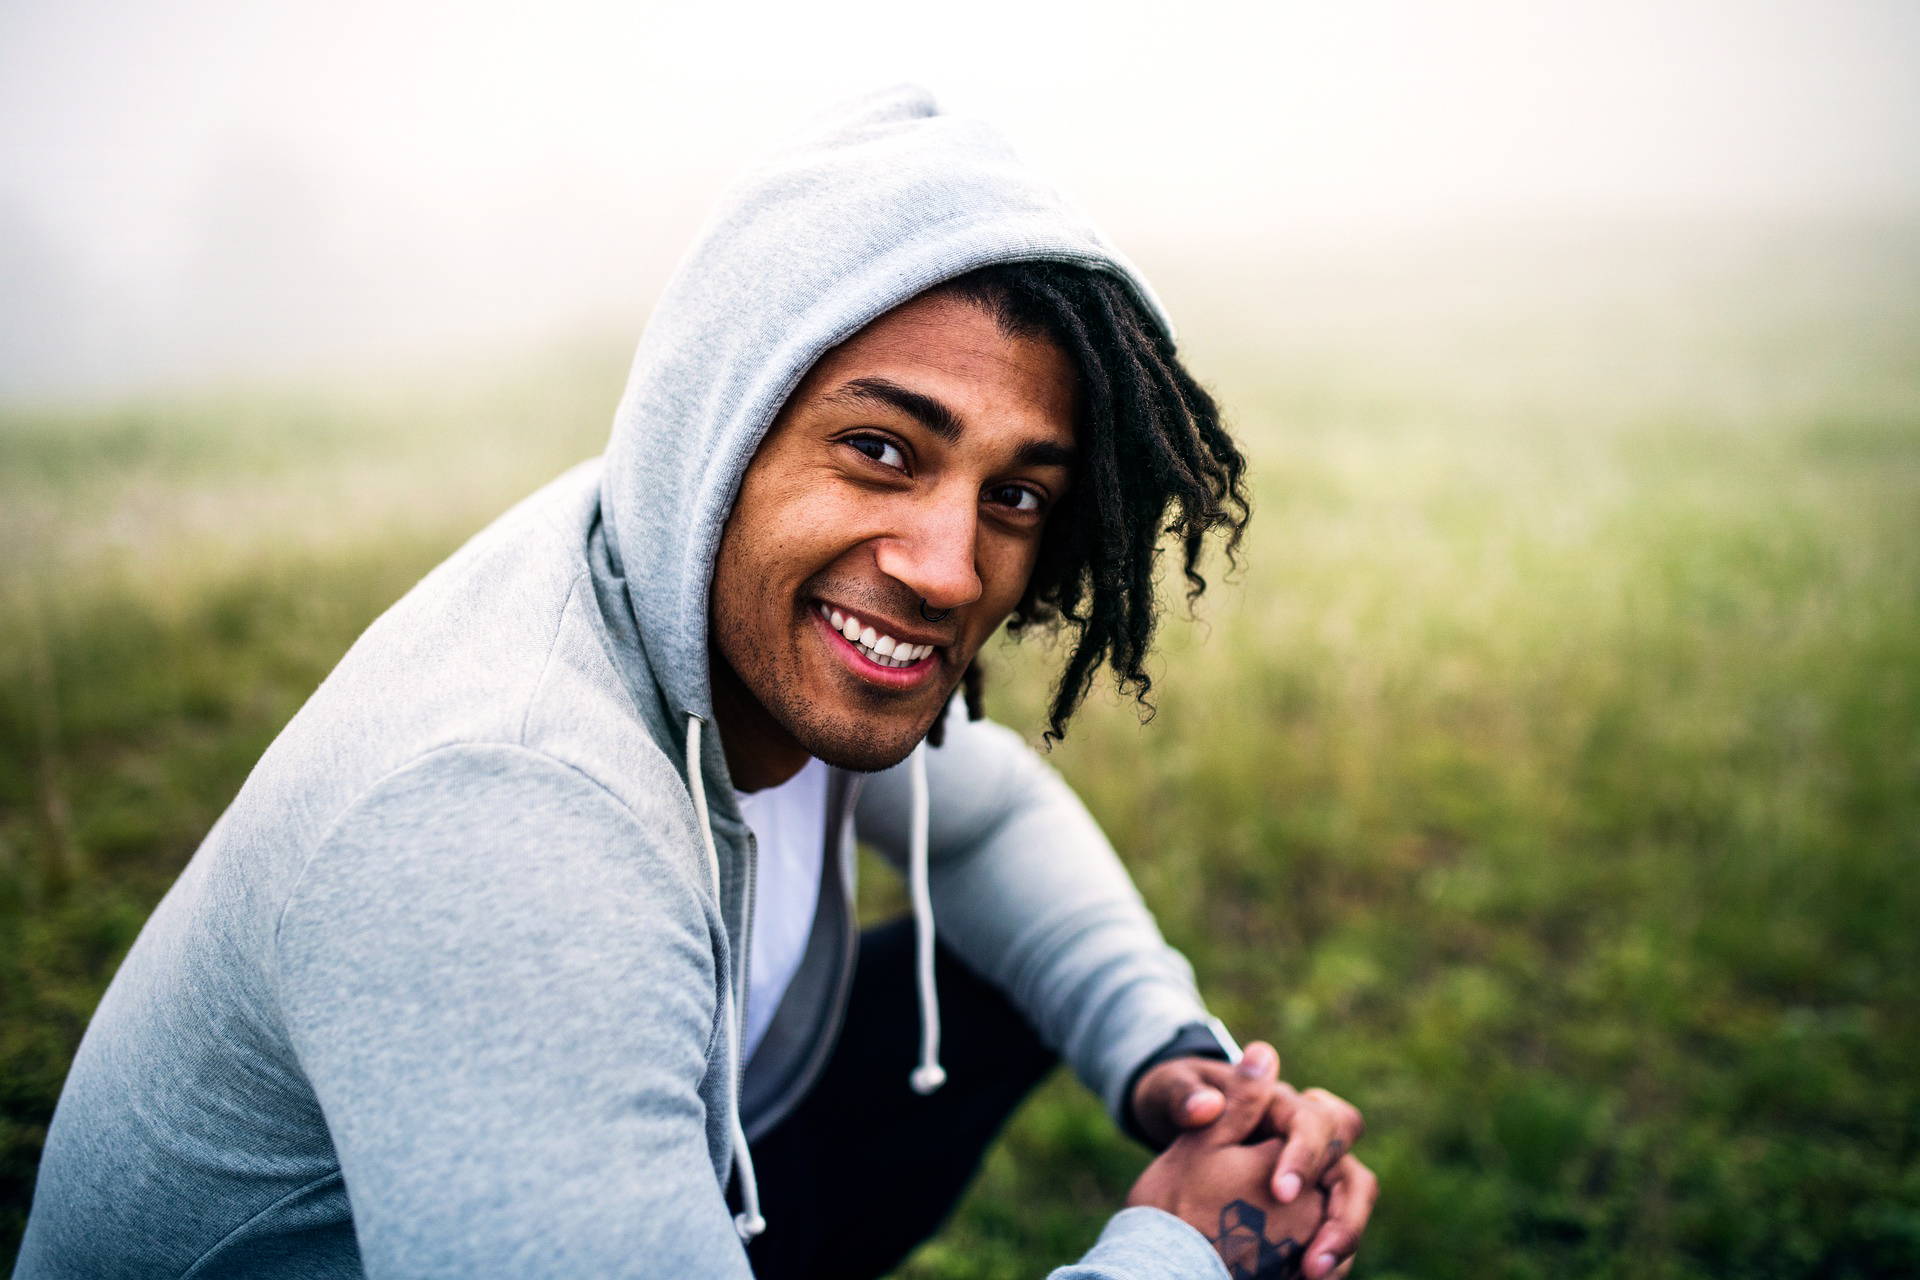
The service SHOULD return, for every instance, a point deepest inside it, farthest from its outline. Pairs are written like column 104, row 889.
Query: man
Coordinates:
column 528, row 945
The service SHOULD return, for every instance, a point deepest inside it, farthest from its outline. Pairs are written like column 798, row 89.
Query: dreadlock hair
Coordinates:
column 1154, row 459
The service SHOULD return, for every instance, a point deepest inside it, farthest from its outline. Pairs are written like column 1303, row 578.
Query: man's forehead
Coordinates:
column 958, row 353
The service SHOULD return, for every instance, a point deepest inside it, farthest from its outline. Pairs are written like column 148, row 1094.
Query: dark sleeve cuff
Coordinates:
column 1192, row 1040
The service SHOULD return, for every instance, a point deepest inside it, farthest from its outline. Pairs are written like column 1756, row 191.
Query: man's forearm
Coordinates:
column 1027, row 889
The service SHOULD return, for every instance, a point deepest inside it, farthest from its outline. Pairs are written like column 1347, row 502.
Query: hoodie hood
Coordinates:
column 880, row 202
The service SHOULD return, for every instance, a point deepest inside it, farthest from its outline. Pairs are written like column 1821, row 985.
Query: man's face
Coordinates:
column 916, row 463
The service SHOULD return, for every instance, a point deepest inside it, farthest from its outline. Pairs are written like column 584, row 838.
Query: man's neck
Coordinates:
column 760, row 752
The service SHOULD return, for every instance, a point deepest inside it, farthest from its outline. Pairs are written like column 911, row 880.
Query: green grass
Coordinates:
column 1547, row 783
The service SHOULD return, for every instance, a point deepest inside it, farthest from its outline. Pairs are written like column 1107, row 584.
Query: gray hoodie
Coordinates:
column 453, row 987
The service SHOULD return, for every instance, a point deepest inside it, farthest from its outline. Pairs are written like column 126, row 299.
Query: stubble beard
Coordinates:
column 846, row 741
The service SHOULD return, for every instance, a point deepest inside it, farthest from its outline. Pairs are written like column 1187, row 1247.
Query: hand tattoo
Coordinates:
column 1244, row 1247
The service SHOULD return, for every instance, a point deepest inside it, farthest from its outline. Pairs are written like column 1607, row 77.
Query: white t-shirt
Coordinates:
column 789, row 829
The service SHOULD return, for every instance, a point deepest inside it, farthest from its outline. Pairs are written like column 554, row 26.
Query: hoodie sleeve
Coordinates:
column 503, row 995
column 1027, row 890
column 1143, row 1242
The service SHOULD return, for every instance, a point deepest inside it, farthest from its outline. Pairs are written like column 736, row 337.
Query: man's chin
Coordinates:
column 858, row 748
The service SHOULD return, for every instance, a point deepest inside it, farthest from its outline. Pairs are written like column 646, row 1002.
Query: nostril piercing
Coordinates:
column 933, row 615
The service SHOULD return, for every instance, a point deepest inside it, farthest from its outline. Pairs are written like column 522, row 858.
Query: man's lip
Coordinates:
column 899, row 679
column 892, row 628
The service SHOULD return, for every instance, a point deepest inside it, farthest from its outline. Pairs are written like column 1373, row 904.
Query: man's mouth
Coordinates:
column 874, row 644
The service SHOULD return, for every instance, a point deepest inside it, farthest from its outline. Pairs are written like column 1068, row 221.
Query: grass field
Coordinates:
column 1547, row 783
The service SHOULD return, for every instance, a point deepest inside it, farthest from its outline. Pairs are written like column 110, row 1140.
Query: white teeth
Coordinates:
column 882, row 649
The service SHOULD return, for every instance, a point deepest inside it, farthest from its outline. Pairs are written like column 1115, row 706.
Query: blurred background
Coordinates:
column 1547, row 780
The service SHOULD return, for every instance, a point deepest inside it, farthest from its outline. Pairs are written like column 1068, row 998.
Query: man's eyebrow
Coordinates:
column 924, row 409
column 944, row 422
column 1044, row 453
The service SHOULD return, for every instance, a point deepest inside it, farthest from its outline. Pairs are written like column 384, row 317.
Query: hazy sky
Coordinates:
column 206, row 185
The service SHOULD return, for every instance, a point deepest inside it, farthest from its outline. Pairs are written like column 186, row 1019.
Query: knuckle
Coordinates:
column 1250, row 1092
column 1260, row 1091
column 1348, row 1114
column 1338, row 1239
column 1305, row 1155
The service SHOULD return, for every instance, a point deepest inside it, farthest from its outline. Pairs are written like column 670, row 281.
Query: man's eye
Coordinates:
column 1017, row 497
column 881, row 450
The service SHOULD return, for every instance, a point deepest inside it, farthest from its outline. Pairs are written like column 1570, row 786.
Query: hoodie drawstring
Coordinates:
column 747, row 1223
column 929, row 1075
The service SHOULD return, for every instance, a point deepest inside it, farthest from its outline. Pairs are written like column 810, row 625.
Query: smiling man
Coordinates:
column 529, row 946
column 887, row 526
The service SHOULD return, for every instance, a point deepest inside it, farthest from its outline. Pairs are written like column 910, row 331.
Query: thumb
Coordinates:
column 1187, row 1096
column 1176, row 1095
column 1249, row 1094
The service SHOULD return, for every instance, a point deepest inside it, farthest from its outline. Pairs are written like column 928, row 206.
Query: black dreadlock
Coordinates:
column 1150, row 439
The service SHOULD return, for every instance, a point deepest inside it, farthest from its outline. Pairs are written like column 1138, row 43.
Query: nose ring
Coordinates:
column 933, row 615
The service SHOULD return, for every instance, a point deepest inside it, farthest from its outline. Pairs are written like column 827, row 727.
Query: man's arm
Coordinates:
column 503, row 997
column 1028, row 891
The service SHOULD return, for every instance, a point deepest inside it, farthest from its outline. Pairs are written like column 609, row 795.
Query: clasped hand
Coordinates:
column 1263, row 1170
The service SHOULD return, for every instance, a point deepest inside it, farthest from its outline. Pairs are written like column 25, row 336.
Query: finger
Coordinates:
column 1191, row 1100
column 1201, row 1107
column 1344, row 1270
column 1175, row 1095
column 1310, row 1143
column 1352, row 1191
column 1321, row 1128
column 1278, row 1122
column 1214, row 1081
column 1156, row 1099
column 1248, row 1097
column 1331, row 1245
column 1349, row 1124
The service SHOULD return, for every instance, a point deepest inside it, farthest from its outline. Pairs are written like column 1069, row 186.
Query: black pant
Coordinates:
column 864, row 1169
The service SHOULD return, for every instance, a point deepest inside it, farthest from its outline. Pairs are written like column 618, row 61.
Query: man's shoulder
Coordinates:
column 503, row 647
column 506, row 641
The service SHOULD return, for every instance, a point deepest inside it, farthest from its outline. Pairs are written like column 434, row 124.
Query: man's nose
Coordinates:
column 932, row 553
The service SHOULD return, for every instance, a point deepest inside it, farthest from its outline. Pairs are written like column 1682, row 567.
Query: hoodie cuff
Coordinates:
column 1144, row 1243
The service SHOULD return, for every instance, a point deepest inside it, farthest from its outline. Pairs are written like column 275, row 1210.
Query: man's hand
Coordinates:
column 1311, row 1131
column 1217, row 1180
